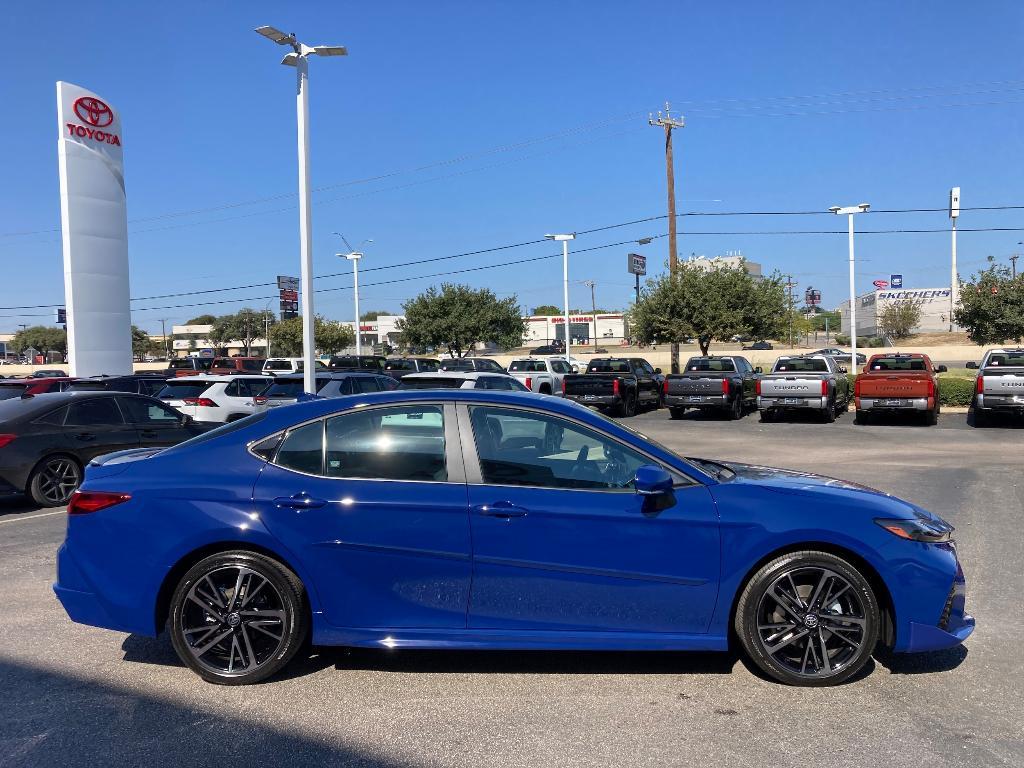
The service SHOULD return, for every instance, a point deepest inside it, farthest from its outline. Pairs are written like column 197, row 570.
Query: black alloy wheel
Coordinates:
column 736, row 410
column 238, row 617
column 54, row 480
column 808, row 618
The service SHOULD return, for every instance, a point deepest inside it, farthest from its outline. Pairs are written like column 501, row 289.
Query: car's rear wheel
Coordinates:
column 829, row 414
column 862, row 417
column 736, row 409
column 53, row 481
column 808, row 618
column 676, row 413
column 238, row 617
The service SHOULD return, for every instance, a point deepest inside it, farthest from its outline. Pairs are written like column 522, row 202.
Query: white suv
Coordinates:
column 215, row 399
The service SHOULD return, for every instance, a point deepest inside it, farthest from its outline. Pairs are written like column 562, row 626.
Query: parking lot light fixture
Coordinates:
column 354, row 257
column 564, row 240
column 849, row 211
column 298, row 59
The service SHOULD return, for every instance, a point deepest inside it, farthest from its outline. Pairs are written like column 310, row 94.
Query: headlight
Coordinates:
column 931, row 530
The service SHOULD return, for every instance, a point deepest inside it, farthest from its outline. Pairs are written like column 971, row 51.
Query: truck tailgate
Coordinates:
column 589, row 384
column 1002, row 382
column 895, row 386
column 775, row 385
column 695, row 384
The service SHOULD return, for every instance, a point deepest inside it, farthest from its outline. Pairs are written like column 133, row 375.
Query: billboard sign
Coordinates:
column 94, row 232
column 895, row 281
column 636, row 264
column 881, row 284
column 285, row 283
column 812, row 297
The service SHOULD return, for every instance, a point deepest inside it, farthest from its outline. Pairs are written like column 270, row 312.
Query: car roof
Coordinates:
column 468, row 375
column 37, row 379
column 322, row 375
column 215, row 377
column 20, row 407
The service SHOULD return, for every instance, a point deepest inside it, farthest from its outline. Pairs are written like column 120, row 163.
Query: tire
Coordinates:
column 676, row 413
column 736, row 410
column 931, row 418
column 264, row 639
column 767, row 417
column 829, row 414
column 545, row 389
column 629, row 406
column 53, row 480
column 862, row 418
column 805, row 637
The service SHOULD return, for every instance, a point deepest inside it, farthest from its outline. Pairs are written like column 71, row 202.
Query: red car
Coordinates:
column 11, row 388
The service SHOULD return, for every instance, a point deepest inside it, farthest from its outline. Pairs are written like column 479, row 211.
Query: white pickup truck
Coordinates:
column 1000, row 385
column 540, row 374
column 804, row 382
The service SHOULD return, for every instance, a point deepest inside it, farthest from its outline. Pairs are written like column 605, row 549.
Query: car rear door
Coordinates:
column 561, row 541
column 95, row 426
column 373, row 501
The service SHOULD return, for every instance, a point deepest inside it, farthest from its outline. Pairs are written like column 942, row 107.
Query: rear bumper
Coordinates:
column 81, row 603
column 604, row 401
column 895, row 403
column 773, row 402
column 1008, row 403
column 698, row 401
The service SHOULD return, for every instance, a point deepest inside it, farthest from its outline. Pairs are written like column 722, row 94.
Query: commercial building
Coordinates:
column 194, row 339
column 933, row 302
column 731, row 259
column 543, row 329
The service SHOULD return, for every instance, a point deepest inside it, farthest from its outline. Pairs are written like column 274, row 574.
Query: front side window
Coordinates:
column 398, row 443
column 534, row 449
column 139, row 411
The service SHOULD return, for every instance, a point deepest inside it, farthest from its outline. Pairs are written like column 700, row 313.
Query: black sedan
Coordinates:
column 762, row 345
column 46, row 440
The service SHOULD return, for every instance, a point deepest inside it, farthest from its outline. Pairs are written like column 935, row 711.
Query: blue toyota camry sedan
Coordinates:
column 499, row 520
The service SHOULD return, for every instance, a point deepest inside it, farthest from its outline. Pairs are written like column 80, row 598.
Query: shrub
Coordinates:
column 842, row 340
column 956, row 390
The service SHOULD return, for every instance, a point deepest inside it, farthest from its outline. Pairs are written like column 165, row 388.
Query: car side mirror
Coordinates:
column 652, row 481
column 657, row 370
column 759, row 369
column 941, row 369
column 972, row 365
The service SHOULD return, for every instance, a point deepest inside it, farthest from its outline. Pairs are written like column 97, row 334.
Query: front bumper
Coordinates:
column 697, row 401
column 815, row 403
column 895, row 403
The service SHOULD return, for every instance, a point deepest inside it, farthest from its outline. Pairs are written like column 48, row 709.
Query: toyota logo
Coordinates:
column 93, row 111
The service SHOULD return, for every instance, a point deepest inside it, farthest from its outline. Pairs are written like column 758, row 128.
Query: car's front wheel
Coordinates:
column 808, row 618
column 238, row 617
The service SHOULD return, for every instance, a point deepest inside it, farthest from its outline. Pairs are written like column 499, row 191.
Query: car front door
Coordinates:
column 373, row 501
column 156, row 424
column 561, row 541
column 96, row 427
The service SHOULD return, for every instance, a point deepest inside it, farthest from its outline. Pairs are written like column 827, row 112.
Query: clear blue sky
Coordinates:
column 530, row 117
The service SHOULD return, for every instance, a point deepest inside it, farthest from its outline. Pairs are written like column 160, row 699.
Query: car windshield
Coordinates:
column 898, row 364
column 801, row 364
column 457, row 365
column 704, row 364
column 182, row 388
column 1007, row 359
column 440, row 382
column 191, row 364
column 278, row 365
column 11, row 391
column 530, row 366
column 608, row 366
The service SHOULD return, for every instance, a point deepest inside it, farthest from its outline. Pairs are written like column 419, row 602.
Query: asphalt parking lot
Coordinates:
column 73, row 695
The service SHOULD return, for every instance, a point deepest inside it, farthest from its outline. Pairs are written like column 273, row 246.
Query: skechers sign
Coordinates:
column 921, row 295
column 98, row 115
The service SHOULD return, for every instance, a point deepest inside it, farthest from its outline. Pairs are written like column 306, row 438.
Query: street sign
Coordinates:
column 812, row 297
column 881, row 284
column 636, row 264
column 285, row 283
column 895, row 281
column 206, row 353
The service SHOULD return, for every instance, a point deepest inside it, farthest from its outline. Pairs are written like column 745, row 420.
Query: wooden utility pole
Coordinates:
column 669, row 124
column 1013, row 262
column 789, row 286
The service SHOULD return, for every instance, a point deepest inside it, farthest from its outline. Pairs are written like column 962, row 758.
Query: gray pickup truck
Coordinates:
column 717, row 383
column 1000, row 387
column 805, row 382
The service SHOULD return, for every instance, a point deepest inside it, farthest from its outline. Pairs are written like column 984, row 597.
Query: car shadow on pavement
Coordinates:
column 923, row 663
column 51, row 718
column 13, row 506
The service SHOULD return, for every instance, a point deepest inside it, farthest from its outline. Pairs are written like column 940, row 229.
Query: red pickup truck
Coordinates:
column 896, row 382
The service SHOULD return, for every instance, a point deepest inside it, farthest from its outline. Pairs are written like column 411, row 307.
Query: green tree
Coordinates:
column 329, row 336
column 202, row 320
column 898, row 319
column 141, row 343
column 373, row 314
column 244, row 326
column 991, row 307
column 709, row 304
column 457, row 317
column 547, row 310
column 43, row 338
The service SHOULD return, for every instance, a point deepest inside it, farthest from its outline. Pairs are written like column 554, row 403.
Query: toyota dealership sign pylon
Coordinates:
column 94, row 229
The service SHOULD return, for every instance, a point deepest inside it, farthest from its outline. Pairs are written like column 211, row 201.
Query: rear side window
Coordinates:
column 361, row 384
column 55, row 418
column 401, row 443
column 11, row 391
column 182, row 388
column 1009, row 359
column 809, row 365
column 102, row 411
column 303, row 449
column 609, row 366
column 696, row 364
column 252, row 365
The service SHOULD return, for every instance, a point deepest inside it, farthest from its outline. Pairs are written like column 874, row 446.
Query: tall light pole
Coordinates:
column 354, row 256
column 954, row 281
column 593, row 307
column 564, row 240
column 849, row 211
column 298, row 59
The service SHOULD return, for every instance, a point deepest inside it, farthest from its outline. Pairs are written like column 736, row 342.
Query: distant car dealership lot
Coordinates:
column 457, row 708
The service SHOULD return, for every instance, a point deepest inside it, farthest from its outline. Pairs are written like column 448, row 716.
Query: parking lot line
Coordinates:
column 33, row 517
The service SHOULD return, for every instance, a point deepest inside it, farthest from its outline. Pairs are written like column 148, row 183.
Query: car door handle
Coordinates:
column 502, row 509
column 299, row 501
column 85, row 436
column 148, row 432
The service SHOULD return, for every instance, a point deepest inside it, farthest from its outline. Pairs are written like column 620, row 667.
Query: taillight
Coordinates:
column 6, row 440
column 615, row 387
column 84, row 502
column 824, row 387
column 725, row 386
column 757, row 387
column 259, row 399
column 980, row 386
column 529, row 383
column 856, row 387
column 931, row 387
column 563, row 386
column 664, row 387
column 204, row 402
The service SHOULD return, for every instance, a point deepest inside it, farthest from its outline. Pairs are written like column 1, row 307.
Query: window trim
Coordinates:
column 453, row 458
column 474, row 474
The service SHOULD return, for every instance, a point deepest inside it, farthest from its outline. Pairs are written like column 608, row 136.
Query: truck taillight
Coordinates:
column 980, row 387
column 824, row 387
column 856, row 387
column 664, row 386
column 529, row 383
column 203, row 402
column 725, row 386
column 615, row 387
column 757, row 387
column 563, row 386
column 931, row 387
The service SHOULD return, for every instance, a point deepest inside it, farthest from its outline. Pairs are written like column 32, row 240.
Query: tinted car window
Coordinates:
column 56, row 418
column 697, row 364
column 560, row 366
column 400, row 443
column 302, row 449
column 278, row 365
column 489, row 365
column 1012, row 359
column 534, row 449
column 252, row 365
column 811, row 365
column 290, row 387
column 441, row 382
column 191, row 363
column 401, row 365
column 457, row 365
column 609, row 366
column 179, row 389
column 362, row 384
column 102, row 411
column 386, row 383
column 151, row 386
column 10, row 391
column 139, row 411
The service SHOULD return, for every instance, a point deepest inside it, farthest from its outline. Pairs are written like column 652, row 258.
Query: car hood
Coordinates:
column 783, row 480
